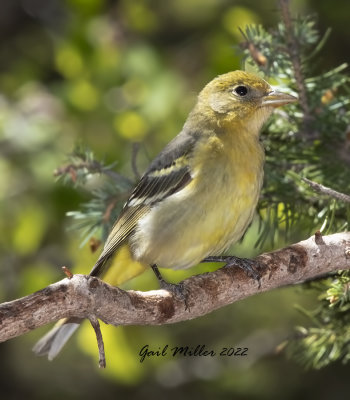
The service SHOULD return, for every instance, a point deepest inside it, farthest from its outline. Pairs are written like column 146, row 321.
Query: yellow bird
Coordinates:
column 199, row 194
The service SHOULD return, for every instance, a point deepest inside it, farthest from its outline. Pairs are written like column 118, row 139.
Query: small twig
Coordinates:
column 65, row 169
column 101, row 349
column 94, row 244
column 109, row 209
column 317, row 187
column 293, row 50
column 134, row 153
column 111, row 204
column 67, row 272
column 318, row 238
column 93, row 167
column 255, row 53
column 118, row 177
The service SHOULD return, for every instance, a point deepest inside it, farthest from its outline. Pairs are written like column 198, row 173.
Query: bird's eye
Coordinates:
column 241, row 90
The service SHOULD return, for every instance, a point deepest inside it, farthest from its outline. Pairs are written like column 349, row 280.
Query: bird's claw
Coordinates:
column 247, row 265
column 177, row 289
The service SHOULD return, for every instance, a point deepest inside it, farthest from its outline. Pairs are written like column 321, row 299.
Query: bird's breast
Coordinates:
column 209, row 214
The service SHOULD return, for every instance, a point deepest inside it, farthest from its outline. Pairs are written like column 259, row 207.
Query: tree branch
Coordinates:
column 88, row 297
column 317, row 187
column 294, row 53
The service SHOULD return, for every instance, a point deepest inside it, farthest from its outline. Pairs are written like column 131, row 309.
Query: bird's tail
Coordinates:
column 121, row 269
column 52, row 343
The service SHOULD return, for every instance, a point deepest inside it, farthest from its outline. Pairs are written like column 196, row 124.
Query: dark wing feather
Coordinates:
column 168, row 173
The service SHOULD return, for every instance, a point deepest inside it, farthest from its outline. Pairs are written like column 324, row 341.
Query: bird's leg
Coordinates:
column 248, row 266
column 158, row 275
column 178, row 289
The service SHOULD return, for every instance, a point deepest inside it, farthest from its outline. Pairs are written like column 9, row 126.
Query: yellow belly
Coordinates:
column 205, row 217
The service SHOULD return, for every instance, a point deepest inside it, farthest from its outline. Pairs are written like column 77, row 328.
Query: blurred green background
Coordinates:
column 106, row 74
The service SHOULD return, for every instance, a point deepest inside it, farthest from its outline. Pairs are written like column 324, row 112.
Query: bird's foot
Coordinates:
column 177, row 289
column 247, row 265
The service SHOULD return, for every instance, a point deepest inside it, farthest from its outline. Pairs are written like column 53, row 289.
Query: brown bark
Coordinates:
column 88, row 297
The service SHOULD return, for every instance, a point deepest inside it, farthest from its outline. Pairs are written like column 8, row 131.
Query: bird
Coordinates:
column 198, row 196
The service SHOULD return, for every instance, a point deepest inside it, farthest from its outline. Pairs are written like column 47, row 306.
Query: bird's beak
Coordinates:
column 276, row 99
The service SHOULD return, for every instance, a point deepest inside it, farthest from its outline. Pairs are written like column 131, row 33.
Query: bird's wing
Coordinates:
column 167, row 174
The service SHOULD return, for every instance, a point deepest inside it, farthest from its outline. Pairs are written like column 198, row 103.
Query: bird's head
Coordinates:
column 241, row 97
